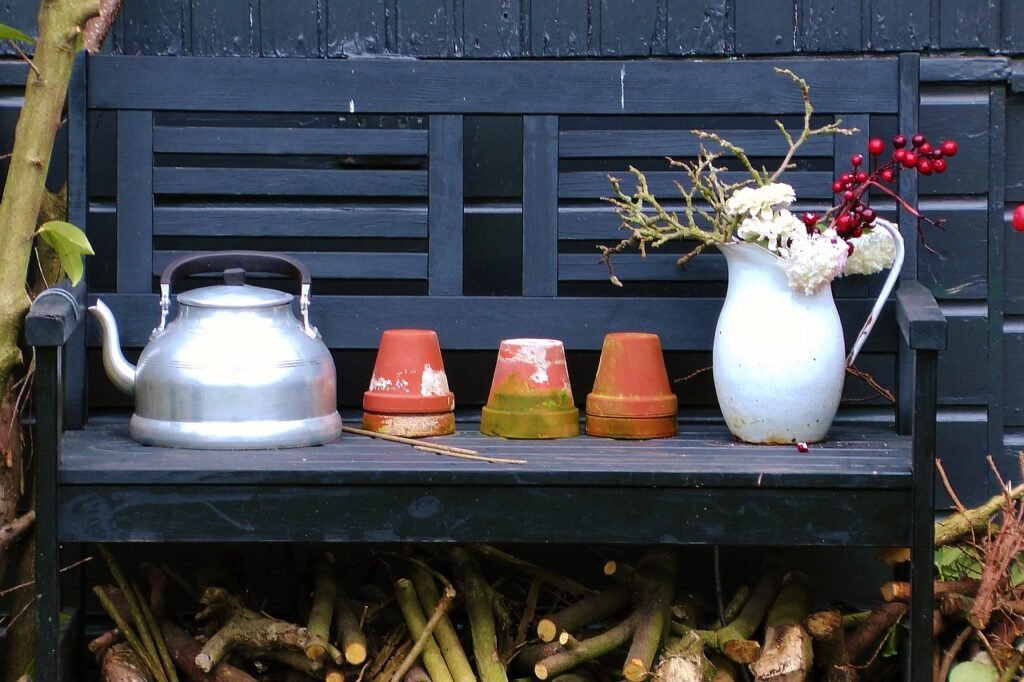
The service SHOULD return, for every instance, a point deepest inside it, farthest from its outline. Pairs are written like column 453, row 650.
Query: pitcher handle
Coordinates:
column 890, row 282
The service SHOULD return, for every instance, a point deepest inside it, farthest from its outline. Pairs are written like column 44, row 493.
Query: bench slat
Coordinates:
column 489, row 86
column 583, row 144
column 482, row 322
column 314, row 141
column 594, row 184
column 289, row 181
column 288, row 220
column 339, row 265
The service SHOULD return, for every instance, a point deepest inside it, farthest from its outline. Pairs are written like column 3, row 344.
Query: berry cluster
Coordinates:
column 1018, row 218
column 851, row 217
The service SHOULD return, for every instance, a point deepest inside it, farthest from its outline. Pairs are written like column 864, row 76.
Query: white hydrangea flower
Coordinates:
column 813, row 261
column 873, row 251
column 772, row 228
column 756, row 200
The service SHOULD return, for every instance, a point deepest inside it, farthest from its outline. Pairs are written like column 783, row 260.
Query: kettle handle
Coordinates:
column 250, row 261
column 883, row 295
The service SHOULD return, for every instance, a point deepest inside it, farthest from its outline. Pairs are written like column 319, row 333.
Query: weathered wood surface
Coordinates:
column 861, row 456
column 513, row 28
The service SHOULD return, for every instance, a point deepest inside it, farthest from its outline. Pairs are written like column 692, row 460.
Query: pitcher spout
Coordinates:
column 120, row 371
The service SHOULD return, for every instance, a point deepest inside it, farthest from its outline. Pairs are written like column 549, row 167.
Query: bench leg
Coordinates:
column 923, row 541
column 48, row 415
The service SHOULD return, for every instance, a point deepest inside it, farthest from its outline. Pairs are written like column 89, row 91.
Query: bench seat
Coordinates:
column 700, row 487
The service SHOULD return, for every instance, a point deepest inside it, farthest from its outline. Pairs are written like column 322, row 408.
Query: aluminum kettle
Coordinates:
column 235, row 369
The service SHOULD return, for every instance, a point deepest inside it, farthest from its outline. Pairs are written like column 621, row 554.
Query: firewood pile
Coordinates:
column 474, row 612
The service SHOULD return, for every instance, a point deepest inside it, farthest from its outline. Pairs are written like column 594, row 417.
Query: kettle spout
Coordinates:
column 120, row 371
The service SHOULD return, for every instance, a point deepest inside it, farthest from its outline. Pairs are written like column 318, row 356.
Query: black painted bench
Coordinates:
column 358, row 167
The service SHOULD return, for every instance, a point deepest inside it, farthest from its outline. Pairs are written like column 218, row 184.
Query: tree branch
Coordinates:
column 96, row 29
column 10, row 533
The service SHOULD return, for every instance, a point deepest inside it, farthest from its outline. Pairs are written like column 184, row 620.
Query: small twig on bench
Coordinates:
column 692, row 375
column 435, row 448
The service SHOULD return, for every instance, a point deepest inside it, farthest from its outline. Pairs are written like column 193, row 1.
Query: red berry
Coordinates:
column 918, row 140
column 849, row 249
column 846, row 178
column 849, row 195
column 924, row 167
column 949, row 148
column 810, row 219
column 857, row 159
column 859, row 232
column 899, row 155
column 937, row 154
column 837, row 187
column 869, row 215
column 802, row 447
column 1018, row 218
column 900, row 141
column 859, row 208
column 844, row 221
column 909, row 160
column 939, row 165
column 925, row 149
column 888, row 175
column 875, row 146
column 861, row 177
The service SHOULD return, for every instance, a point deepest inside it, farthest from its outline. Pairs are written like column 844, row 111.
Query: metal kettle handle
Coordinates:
column 883, row 295
column 250, row 261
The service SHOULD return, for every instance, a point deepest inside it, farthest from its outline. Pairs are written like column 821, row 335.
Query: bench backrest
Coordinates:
column 358, row 168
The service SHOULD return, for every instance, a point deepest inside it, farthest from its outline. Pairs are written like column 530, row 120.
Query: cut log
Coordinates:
column 733, row 640
column 900, row 591
column 433, row 661
column 625, row 575
column 351, row 639
column 787, row 655
column 325, row 592
column 480, row 605
column 121, row 664
column 184, row 650
column 588, row 650
column 869, row 634
column 444, row 634
column 587, row 611
column 684, row 661
column 658, row 571
column 530, row 655
column 829, row 638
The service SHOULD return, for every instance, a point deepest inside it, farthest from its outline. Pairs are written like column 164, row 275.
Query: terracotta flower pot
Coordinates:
column 408, row 394
column 530, row 393
column 632, row 397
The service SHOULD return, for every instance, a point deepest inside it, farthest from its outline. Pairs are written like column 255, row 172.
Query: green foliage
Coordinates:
column 894, row 639
column 973, row 671
column 11, row 33
column 70, row 244
column 956, row 561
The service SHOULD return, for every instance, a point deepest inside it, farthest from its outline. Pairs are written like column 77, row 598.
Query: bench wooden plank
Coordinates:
column 540, row 205
column 584, row 144
column 264, row 140
column 333, row 265
column 482, row 322
column 555, row 87
column 445, row 216
column 480, row 513
column 594, row 184
column 289, row 220
column 134, row 200
column 289, row 181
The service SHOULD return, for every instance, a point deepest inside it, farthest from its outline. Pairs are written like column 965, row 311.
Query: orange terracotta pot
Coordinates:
column 530, row 392
column 409, row 394
column 632, row 397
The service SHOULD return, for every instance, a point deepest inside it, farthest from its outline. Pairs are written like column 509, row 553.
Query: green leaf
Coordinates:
column 70, row 243
column 11, row 33
column 973, row 671
column 954, row 562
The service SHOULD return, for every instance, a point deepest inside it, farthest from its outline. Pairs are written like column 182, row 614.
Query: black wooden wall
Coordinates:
column 972, row 90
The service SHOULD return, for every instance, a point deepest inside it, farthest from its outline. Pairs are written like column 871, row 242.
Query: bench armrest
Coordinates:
column 921, row 320
column 55, row 314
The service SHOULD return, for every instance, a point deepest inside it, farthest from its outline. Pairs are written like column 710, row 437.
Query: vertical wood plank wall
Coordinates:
column 979, row 274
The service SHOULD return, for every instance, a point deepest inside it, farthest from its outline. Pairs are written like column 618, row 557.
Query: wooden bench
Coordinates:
column 358, row 168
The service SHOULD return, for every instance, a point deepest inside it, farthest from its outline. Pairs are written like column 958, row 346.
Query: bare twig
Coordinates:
column 947, row 660
column 872, row 382
column 426, row 635
column 949, row 488
column 30, row 583
column 25, row 58
column 9, row 533
column 435, row 448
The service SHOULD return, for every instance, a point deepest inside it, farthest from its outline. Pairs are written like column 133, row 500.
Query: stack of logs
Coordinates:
column 515, row 620
column 518, row 620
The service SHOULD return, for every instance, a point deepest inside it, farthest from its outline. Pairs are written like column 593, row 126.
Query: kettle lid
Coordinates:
column 234, row 296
